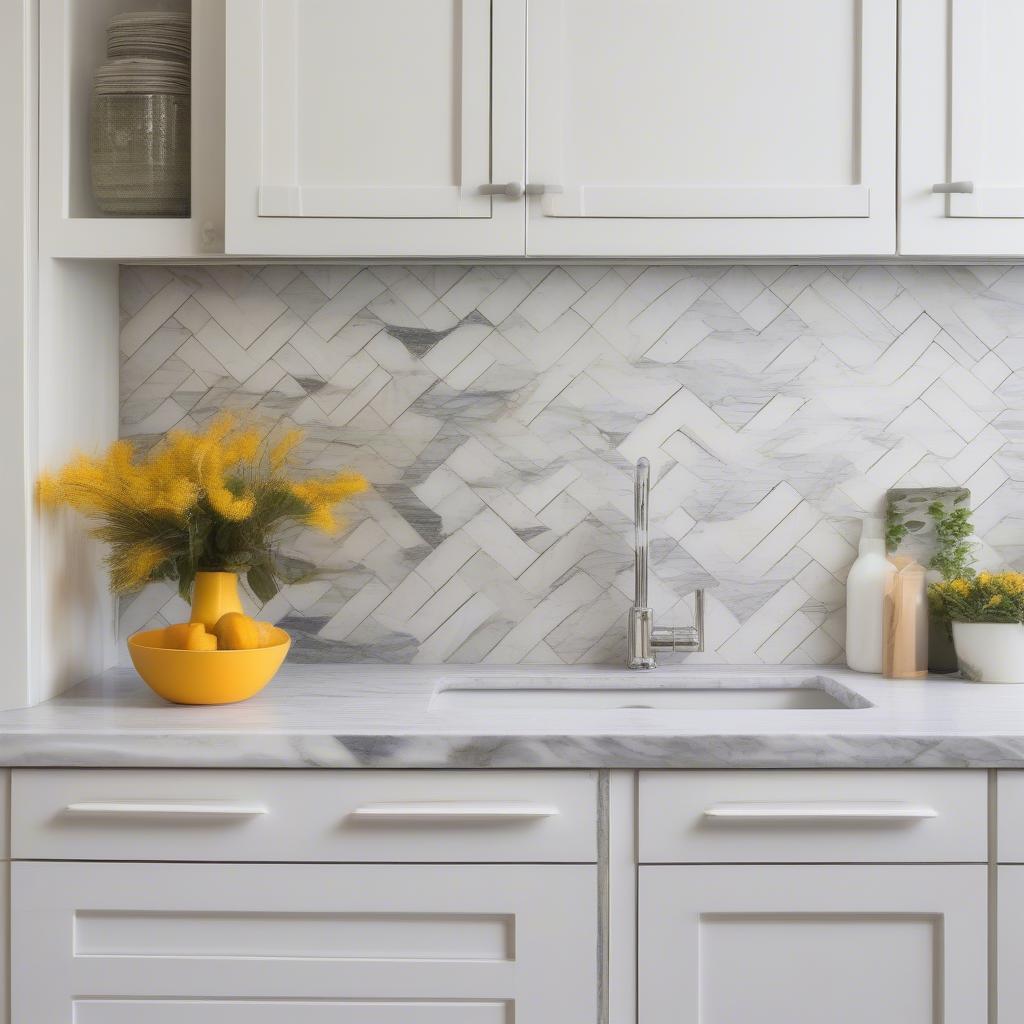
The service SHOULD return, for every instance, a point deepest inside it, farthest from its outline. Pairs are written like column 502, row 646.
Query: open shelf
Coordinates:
column 72, row 45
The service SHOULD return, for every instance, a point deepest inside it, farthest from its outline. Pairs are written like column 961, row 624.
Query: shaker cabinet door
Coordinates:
column 808, row 944
column 373, row 127
column 306, row 944
column 962, row 148
column 1010, row 943
column 689, row 128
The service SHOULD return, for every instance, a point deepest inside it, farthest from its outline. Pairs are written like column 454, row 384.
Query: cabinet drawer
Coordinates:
column 304, row 943
column 812, row 816
column 254, row 815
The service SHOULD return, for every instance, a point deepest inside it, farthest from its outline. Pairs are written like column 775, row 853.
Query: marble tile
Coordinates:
column 498, row 410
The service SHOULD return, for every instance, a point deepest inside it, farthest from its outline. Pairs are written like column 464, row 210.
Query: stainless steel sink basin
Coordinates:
column 611, row 693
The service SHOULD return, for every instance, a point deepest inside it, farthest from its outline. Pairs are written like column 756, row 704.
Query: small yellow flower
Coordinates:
column 49, row 492
column 994, row 601
column 960, row 586
column 133, row 565
column 281, row 451
column 242, row 447
column 1012, row 582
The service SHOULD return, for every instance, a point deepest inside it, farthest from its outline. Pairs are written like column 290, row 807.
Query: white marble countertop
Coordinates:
column 346, row 716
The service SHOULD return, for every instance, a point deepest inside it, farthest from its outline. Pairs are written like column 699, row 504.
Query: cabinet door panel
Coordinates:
column 1011, row 942
column 678, row 126
column 384, row 149
column 221, row 943
column 962, row 77
column 786, row 944
column 369, row 127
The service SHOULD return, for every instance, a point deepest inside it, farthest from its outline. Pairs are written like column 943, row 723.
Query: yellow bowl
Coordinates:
column 206, row 677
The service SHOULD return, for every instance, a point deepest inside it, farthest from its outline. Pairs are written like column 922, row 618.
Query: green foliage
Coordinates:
column 895, row 528
column 955, row 555
column 246, row 546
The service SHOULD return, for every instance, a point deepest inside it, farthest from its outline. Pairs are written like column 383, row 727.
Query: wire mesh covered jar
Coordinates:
column 141, row 123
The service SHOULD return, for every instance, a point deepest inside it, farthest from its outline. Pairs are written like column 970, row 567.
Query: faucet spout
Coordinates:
column 641, row 516
column 642, row 638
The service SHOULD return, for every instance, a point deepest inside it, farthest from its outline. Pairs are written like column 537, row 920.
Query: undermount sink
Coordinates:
column 610, row 693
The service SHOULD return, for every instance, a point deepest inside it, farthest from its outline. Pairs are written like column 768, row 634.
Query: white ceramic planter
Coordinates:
column 990, row 652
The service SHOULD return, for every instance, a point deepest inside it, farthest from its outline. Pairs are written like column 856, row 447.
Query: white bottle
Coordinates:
column 865, row 594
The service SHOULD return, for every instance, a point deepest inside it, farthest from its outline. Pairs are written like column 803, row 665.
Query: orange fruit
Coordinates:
column 235, row 631
column 267, row 633
column 202, row 642
column 185, row 636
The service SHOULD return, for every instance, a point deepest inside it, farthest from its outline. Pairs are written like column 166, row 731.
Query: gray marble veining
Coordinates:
column 346, row 716
column 498, row 411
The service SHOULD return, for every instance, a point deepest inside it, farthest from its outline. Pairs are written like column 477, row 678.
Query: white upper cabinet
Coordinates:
column 655, row 128
column 371, row 127
column 689, row 128
column 962, row 79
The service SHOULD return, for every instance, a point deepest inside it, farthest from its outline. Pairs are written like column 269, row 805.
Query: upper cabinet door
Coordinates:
column 373, row 127
column 962, row 167
column 689, row 128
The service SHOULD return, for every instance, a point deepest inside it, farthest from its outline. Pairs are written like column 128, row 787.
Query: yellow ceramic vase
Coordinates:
column 214, row 594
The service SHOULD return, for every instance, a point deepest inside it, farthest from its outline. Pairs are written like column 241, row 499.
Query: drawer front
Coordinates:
column 304, row 943
column 254, row 815
column 813, row 816
column 1010, row 816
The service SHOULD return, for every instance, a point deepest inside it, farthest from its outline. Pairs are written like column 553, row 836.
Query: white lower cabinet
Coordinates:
column 813, row 943
column 477, row 897
column 103, row 943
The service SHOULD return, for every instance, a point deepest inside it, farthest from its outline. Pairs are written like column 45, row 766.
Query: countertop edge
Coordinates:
column 712, row 751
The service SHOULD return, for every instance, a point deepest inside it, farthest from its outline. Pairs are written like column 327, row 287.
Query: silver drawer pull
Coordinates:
column 883, row 811
column 165, row 809
column 958, row 187
column 453, row 812
column 510, row 190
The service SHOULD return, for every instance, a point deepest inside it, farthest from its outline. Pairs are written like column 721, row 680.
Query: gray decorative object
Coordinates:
column 140, row 130
column 906, row 514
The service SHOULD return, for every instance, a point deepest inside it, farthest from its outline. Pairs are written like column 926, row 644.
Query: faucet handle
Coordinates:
column 677, row 639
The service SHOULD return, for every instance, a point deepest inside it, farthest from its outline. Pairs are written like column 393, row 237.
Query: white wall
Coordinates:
column 77, row 372
column 17, row 245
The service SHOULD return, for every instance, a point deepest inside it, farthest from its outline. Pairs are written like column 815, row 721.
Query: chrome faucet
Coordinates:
column 643, row 638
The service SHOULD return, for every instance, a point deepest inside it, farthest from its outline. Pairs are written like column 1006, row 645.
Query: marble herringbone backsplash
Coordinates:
column 498, row 412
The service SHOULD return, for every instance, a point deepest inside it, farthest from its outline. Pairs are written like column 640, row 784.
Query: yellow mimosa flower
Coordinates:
column 217, row 497
column 283, row 448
